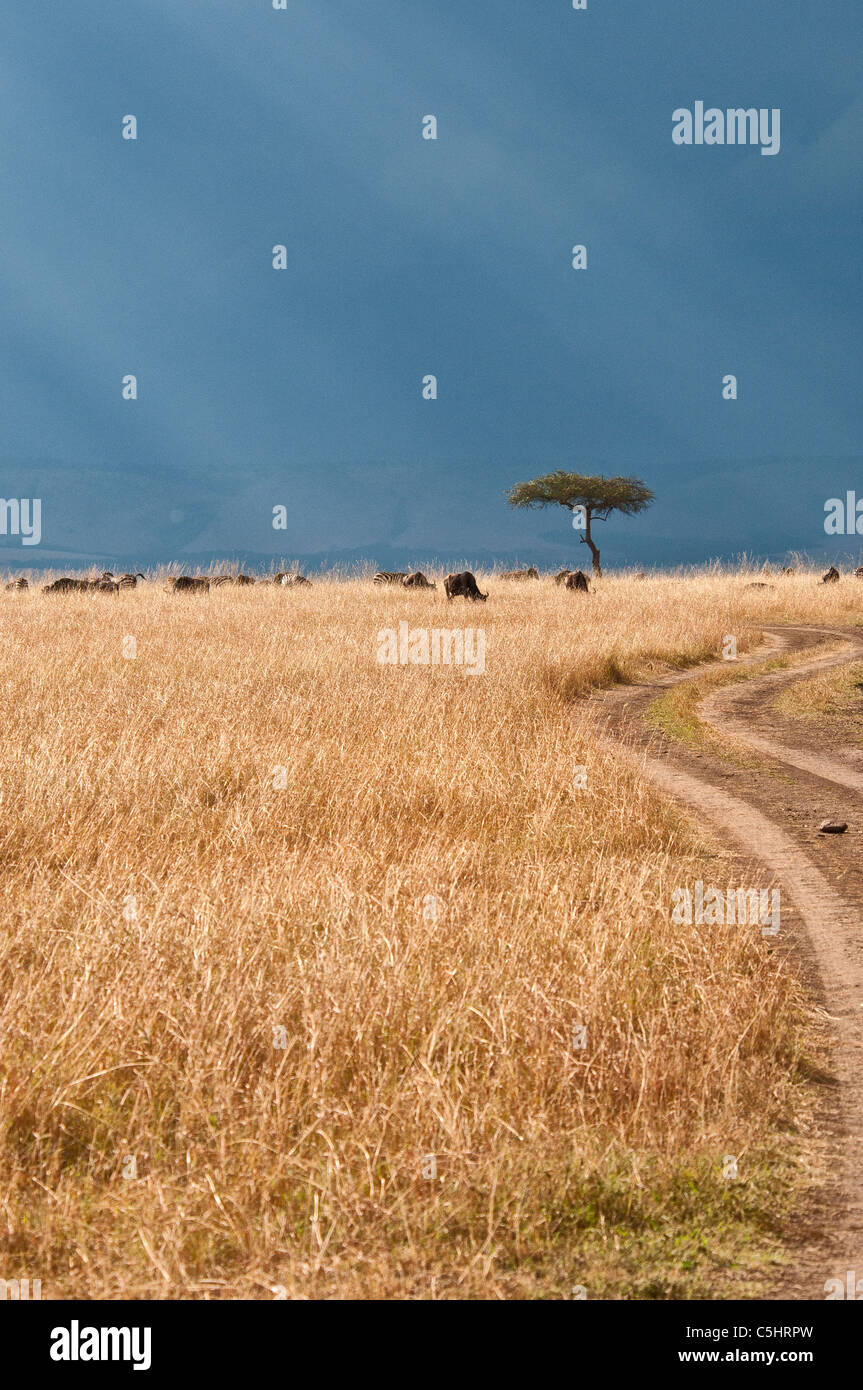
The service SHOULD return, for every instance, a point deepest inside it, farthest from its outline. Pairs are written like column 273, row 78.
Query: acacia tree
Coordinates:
column 596, row 497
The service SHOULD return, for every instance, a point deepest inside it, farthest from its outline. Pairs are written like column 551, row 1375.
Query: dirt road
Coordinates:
column 769, row 808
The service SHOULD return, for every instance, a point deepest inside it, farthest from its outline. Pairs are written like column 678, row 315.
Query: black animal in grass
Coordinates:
column 463, row 585
column 576, row 582
column 66, row 585
column 831, row 577
column 189, row 584
column 104, row 584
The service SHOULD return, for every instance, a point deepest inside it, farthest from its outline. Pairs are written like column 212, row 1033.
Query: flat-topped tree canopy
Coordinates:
column 596, row 495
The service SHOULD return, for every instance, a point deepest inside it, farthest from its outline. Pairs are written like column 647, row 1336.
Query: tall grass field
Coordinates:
column 330, row 977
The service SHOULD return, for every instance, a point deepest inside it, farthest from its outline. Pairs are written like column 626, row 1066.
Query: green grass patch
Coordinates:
column 675, row 713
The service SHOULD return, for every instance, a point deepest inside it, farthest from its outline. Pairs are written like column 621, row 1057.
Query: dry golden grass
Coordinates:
column 167, row 909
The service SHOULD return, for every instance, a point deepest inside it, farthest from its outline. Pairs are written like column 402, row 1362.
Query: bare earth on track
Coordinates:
column 769, row 808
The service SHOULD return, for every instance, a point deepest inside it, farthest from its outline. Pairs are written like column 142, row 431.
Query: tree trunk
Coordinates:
column 588, row 541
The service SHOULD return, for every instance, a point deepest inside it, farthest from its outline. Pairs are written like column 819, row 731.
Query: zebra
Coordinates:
column 17, row 585
column 129, row 581
column 390, row 577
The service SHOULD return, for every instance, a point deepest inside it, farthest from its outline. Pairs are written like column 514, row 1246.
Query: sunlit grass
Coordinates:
column 254, row 827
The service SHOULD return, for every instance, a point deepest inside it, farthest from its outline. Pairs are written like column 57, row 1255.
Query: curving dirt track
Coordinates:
column 771, row 815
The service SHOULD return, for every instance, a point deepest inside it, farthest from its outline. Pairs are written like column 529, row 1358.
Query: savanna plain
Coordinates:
column 323, row 978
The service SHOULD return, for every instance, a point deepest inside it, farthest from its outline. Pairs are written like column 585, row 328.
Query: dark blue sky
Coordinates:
column 405, row 257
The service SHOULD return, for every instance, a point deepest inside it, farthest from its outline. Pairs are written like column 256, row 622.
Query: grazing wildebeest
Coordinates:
column 417, row 581
column 245, row 579
column 560, row 577
column 390, row 577
column 129, row 581
column 189, row 584
column 531, row 573
column 577, row 581
column 293, row 581
column 831, row 577
column 463, row 585
column 65, row 585
column 15, row 585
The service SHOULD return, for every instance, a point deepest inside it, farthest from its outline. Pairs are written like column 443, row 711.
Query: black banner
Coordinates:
column 159, row 1339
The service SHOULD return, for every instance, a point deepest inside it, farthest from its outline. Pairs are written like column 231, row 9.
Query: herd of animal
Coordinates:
column 202, row 584
column 106, row 583
column 832, row 576
column 464, row 585
column 461, row 585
